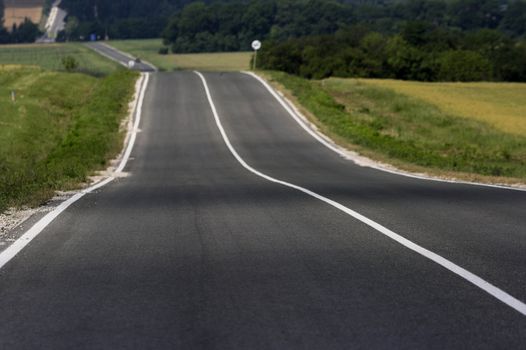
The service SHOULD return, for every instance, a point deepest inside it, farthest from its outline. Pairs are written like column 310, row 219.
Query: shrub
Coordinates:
column 69, row 63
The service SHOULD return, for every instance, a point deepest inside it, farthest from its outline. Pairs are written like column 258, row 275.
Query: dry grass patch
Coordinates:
column 229, row 61
column 502, row 105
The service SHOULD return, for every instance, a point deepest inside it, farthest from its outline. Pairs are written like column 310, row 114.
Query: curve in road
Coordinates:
column 193, row 251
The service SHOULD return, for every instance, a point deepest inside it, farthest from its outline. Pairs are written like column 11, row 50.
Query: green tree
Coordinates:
column 26, row 32
column 463, row 65
column 404, row 59
column 514, row 20
column 4, row 35
column 374, row 47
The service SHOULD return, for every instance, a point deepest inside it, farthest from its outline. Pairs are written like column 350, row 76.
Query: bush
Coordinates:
column 69, row 63
column 163, row 51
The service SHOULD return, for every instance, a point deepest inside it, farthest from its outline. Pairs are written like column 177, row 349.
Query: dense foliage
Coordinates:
column 420, row 52
column 229, row 24
column 3, row 32
column 26, row 32
column 119, row 18
column 232, row 25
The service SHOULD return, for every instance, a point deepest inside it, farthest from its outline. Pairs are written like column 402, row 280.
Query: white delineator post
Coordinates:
column 256, row 45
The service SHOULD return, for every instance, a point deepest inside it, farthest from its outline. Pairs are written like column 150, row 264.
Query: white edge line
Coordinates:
column 11, row 251
column 465, row 274
column 138, row 111
column 327, row 142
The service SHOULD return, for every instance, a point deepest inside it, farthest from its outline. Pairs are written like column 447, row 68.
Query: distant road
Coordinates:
column 119, row 56
column 201, row 248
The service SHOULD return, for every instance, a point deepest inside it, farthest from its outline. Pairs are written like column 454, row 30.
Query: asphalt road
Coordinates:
column 191, row 250
column 119, row 56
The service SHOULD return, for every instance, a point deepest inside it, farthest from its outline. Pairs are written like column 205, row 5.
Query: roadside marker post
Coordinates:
column 256, row 45
column 13, row 96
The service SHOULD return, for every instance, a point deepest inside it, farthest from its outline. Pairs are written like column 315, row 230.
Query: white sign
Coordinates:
column 131, row 64
column 256, row 45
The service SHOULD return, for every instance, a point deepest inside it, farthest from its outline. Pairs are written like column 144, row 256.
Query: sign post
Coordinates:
column 256, row 45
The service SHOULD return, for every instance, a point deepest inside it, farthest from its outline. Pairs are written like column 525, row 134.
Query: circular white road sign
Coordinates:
column 131, row 64
column 256, row 45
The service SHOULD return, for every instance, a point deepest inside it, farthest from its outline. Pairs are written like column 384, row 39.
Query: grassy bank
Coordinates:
column 411, row 132
column 148, row 50
column 49, row 56
column 61, row 128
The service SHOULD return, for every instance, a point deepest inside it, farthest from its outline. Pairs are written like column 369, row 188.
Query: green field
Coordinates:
column 61, row 128
column 396, row 125
column 49, row 56
column 148, row 50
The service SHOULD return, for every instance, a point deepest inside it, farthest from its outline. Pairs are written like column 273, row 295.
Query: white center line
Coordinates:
column 460, row 271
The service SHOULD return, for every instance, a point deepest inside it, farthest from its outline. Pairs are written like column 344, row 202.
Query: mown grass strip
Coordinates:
column 61, row 128
column 407, row 131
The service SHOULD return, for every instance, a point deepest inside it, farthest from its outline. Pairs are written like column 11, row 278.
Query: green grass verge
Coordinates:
column 148, row 49
column 62, row 127
column 407, row 131
column 49, row 56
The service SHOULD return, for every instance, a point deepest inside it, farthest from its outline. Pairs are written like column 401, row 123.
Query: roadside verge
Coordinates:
column 316, row 128
column 38, row 219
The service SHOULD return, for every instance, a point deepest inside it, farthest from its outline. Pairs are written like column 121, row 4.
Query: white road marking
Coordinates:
column 10, row 252
column 135, row 130
column 465, row 274
column 324, row 140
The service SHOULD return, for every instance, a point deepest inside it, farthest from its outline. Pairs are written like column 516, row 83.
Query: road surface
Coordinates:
column 194, row 251
column 120, row 57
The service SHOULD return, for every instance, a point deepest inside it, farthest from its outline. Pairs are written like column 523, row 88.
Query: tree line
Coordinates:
column 208, row 25
column 26, row 32
column 118, row 19
column 420, row 51
column 406, row 39
column 230, row 26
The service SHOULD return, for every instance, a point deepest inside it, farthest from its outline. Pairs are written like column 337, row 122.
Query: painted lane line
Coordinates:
column 10, row 252
column 456, row 269
column 327, row 142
